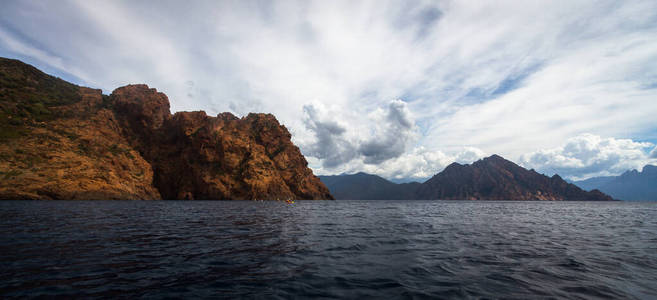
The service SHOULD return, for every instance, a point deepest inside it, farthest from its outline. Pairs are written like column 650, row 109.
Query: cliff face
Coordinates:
column 61, row 141
column 495, row 178
column 223, row 157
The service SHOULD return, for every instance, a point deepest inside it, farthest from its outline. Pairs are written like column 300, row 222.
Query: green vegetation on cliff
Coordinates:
column 28, row 95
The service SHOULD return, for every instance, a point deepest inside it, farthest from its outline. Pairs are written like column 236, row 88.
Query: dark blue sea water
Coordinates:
column 329, row 249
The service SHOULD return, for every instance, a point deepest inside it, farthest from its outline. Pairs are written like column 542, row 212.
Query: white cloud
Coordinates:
column 503, row 76
column 590, row 155
column 387, row 135
column 331, row 144
column 653, row 153
column 53, row 61
column 418, row 164
column 391, row 137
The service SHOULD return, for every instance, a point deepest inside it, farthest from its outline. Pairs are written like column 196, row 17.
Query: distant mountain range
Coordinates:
column 492, row 178
column 631, row 185
column 362, row 186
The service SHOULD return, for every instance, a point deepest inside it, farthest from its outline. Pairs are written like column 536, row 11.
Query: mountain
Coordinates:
column 495, row 178
column 362, row 186
column 62, row 141
column 492, row 178
column 631, row 185
column 593, row 183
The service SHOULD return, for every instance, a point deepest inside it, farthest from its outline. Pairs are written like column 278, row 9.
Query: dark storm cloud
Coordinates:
column 396, row 130
column 331, row 145
column 393, row 130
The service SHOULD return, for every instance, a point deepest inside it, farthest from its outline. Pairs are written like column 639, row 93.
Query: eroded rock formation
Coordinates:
column 61, row 141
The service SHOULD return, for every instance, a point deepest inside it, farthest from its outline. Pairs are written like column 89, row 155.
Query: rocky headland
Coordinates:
column 62, row 141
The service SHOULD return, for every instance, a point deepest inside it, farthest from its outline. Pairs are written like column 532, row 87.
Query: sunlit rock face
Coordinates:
column 62, row 141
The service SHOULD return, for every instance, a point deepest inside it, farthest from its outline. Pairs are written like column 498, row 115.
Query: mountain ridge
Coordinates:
column 491, row 178
column 632, row 185
column 363, row 186
column 495, row 178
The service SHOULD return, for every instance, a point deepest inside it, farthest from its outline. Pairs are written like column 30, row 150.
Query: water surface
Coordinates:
column 330, row 249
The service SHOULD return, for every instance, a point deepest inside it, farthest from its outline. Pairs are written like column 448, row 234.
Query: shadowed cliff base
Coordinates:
column 63, row 141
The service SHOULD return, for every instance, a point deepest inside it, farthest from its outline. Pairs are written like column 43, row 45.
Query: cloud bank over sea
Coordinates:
column 396, row 88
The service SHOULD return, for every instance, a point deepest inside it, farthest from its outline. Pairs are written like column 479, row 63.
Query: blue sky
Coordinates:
column 395, row 88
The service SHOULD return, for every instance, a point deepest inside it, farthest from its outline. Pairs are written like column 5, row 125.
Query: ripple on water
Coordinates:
column 333, row 249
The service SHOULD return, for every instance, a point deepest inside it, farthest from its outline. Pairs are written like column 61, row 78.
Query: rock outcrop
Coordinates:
column 495, row 178
column 62, row 141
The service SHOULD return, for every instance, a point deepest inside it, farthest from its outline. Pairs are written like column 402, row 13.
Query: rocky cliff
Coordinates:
column 495, row 178
column 62, row 141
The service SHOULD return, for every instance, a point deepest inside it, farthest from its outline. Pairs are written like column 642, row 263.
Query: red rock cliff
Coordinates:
column 77, row 144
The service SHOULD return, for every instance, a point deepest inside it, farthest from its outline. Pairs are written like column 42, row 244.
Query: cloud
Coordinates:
column 498, row 76
column 387, row 135
column 417, row 164
column 330, row 146
column 653, row 153
column 394, row 131
column 376, row 143
column 570, row 78
column 17, row 46
column 589, row 155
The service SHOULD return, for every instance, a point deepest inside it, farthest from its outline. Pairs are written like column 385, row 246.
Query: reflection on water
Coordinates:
column 329, row 249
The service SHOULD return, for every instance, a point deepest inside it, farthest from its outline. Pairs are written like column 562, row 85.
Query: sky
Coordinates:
column 400, row 89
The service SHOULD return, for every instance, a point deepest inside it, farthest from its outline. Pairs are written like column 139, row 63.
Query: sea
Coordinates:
column 328, row 249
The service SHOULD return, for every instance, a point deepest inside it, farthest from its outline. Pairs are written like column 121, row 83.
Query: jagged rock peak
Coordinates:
column 145, row 106
column 649, row 169
column 494, row 160
column 453, row 166
column 226, row 116
column 495, row 157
